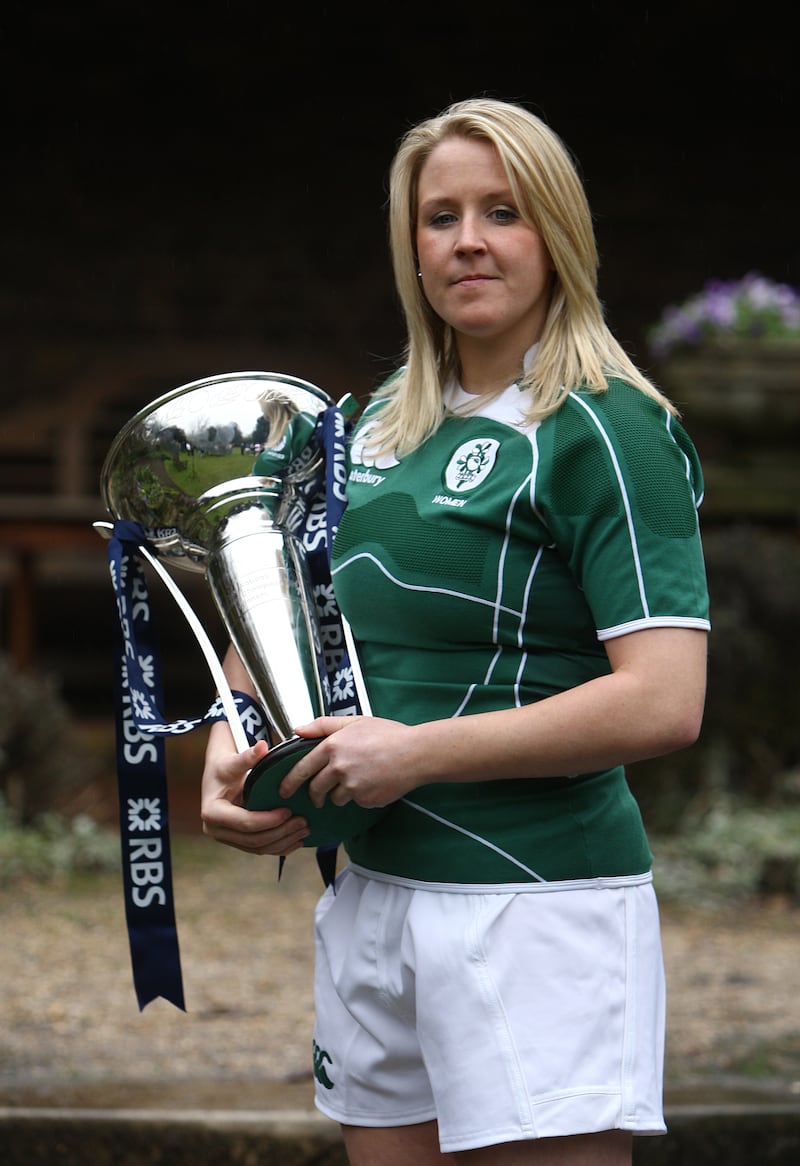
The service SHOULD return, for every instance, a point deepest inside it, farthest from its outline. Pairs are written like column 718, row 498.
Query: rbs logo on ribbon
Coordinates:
column 145, row 858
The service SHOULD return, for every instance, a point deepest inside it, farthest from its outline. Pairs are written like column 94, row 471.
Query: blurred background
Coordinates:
column 189, row 190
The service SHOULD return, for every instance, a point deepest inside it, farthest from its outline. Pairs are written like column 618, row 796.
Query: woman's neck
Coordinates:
column 482, row 371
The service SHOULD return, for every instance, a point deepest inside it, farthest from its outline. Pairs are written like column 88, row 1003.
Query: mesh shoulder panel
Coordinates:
column 581, row 479
column 650, row 456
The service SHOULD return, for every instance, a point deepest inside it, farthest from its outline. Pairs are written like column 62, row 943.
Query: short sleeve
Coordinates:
column 618, row 486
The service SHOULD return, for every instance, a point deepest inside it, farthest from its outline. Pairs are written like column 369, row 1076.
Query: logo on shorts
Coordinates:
column 320, row 1057
column 471, row 464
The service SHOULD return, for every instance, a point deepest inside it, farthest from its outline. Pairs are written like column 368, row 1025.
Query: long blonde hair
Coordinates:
column 576, row 347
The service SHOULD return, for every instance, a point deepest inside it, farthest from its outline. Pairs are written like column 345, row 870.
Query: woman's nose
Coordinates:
column 470, row 237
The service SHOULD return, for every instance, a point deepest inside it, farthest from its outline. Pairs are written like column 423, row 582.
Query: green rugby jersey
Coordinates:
column 483, row 571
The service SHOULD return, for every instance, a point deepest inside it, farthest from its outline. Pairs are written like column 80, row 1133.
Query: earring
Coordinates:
column 419, row 275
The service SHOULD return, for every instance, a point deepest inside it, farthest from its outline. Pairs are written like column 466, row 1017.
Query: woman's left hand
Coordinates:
column 367, row 760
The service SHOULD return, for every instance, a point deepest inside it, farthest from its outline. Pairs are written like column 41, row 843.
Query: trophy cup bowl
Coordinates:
column 219, row 472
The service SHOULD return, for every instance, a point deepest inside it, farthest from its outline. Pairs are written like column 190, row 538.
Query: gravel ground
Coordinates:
column 70, row 1027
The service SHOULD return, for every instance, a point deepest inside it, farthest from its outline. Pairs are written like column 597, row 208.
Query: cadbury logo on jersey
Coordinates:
column 471, row 464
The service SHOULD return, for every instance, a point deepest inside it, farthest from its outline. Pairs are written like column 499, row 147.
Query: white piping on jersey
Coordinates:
column 625, row 499
column 465, row 701
column 523, row 661
column 495, row 658
column 488, row 676
column 527, row 594
column 475, row 838
column 417, row 587
column 523, row 615
column 502, row 558
column 655, row 621
column 686, row 462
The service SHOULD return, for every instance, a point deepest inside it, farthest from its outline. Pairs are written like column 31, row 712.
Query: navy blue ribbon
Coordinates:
column 141, row 780
column 321, row 524
column 142, row 776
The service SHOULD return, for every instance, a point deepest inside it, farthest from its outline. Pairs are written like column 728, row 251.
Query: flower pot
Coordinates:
column 737, row 384
column 740, row 402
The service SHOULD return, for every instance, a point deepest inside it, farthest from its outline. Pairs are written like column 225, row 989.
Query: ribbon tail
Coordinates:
column 326, row 861
column 156, row 967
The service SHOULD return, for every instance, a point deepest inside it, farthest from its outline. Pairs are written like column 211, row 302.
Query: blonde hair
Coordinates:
column 576, row 347
column 278, row 412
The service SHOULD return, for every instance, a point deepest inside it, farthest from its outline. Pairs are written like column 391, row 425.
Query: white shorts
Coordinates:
column 503, row 1013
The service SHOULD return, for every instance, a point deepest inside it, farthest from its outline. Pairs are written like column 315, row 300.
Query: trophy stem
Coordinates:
column 258, row 578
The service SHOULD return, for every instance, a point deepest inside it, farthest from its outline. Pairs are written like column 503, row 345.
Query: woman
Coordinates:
column 521, row 564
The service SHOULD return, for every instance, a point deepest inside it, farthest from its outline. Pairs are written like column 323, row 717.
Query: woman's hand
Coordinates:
column 367, row 760
column 223, row 815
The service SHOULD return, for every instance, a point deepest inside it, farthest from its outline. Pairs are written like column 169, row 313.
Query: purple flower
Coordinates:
column 753, row 306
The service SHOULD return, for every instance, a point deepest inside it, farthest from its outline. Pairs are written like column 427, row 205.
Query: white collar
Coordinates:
column 456, row 398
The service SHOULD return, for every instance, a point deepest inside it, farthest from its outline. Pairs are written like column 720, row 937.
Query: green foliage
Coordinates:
column 53, row 847
column 40, row 760
column 722, row 853
column 41, row 763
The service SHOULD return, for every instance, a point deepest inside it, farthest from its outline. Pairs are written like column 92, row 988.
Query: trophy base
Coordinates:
column 329, row 824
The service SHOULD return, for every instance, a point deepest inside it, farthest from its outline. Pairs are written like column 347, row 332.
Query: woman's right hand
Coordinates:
column 223, row 815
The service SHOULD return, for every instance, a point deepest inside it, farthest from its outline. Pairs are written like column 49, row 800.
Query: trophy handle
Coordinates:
column 358, row 675
column 212, row 660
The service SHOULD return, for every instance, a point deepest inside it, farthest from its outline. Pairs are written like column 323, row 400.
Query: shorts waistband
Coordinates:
column 613, row 882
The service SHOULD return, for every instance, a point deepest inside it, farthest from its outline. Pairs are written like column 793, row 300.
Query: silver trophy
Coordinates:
column 219, row 473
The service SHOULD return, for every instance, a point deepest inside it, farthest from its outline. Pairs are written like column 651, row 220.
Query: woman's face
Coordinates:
column 484, row 270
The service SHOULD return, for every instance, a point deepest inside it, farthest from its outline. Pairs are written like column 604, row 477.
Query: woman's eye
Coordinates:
column 505, row 214
column 443, row 219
